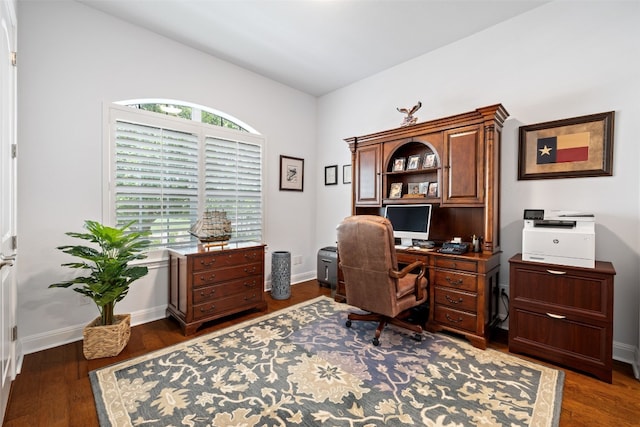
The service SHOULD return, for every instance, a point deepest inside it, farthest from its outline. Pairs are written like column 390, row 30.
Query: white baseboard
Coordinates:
column 50, row 339
column 636, row 364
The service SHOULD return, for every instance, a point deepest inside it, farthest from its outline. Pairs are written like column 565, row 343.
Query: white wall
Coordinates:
column 561, row 60
column 73, row 59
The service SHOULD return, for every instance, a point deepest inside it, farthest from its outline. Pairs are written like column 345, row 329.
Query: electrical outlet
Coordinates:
column 297, row 260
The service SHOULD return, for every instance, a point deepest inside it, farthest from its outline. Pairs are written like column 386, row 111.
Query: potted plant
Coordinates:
column 107, row 282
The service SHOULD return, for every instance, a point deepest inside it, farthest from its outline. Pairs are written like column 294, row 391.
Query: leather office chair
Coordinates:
column 367, row 254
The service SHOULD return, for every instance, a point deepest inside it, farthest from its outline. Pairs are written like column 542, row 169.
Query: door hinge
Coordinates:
column 14, row 333
column 14, row 151
column 14, row 58
column 14, row 243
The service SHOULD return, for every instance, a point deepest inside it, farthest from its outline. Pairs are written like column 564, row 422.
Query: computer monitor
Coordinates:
column 409, row 222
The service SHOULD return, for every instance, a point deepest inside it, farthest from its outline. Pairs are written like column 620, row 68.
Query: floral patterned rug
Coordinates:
column 303, row 367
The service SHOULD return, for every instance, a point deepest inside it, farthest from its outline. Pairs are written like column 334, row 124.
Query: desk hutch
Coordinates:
column 466, row 148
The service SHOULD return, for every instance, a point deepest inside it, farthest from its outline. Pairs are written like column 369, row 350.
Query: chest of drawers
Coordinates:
column 563, row 314
column 206, row 285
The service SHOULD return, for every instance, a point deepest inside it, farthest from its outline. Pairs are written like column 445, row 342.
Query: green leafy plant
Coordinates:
column 110, row 274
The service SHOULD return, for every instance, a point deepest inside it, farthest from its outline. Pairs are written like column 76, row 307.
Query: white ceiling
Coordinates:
column 316, row 46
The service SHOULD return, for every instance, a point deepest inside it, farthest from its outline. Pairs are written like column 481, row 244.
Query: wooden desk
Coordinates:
column 208, row 284
column 459, row 291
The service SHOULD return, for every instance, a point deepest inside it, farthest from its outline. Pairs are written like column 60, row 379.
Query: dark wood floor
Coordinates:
column 54, row 389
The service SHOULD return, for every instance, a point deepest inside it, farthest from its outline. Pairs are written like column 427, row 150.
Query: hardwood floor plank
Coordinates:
column 53, row 388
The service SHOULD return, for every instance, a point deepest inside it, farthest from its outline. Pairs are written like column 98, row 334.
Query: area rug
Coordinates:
column 303, row 367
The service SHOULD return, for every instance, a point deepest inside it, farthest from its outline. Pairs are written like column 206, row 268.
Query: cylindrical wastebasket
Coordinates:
column 280, row 275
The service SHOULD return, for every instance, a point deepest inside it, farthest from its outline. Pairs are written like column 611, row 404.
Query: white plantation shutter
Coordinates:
column 165, row 173
column 233, row 172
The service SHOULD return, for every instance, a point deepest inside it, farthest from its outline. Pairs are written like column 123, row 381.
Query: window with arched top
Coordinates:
column 169, row 162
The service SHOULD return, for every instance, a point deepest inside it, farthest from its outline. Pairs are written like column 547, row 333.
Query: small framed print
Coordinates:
column 398, row 164
column 413, row 163
column 395, row 192
column 331, row 175
column 433, row 189
column 291, row 173
column 346, row 174
column 429, row 160
column 423, row 187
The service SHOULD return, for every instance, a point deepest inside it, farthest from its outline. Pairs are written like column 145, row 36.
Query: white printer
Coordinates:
column 559, row 237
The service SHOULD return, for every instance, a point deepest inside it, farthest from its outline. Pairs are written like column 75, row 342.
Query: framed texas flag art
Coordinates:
column 569, row 148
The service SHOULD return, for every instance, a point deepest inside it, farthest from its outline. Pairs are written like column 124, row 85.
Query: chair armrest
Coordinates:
column 417, row 289
column 400, row 274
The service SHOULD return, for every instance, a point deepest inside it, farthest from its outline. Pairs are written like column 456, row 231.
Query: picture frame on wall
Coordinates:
column 291, row 173
column 346, row 174
column 331, row 175
column 568, row 148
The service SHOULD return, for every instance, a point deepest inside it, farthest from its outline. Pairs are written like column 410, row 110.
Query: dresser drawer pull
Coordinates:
column 203, row 310
column 203, row 294
column 213, row 276
column 556, row 316
column 558, row 272
column 207, row 264
column 250, row 270
column 453, row 282
column 251, row 256
column 250, row 298
column 452, row 301
column 452, row 320
column 250, row 284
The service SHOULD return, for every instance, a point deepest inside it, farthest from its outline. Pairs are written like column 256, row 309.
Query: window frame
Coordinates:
column 113, row 112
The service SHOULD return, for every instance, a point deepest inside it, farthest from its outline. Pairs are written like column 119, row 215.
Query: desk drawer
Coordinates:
column 460, row 281
column 219, row 307
column 456, row 264
column 454, row 318
column 455, row 299
column 213, row 260
column 222, row 274
column 208, row 293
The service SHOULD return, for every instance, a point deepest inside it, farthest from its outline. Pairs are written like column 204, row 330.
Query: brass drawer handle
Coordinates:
column 558, row 272
column 453, row 301
column 250, row 298
column 453, row 282
column 556, row 316
column 202, row 294
column 250, row 284
column 250, row 271
column 207, row 264
column 452, row 320
column 252, row 255
column 213, row 276
column 212, row 308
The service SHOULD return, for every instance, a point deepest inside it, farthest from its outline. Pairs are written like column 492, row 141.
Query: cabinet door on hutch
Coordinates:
column 463, row 182
column 367, row 176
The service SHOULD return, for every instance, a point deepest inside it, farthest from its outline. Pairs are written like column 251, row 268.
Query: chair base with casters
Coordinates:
column 384, row 321
column 373, row 282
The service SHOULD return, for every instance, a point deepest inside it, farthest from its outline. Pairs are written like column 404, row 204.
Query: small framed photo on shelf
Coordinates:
column 331, row 175
column 414, row 189
column 433, row 189
column 398, row 164
column 414, row 162
column 395, row 192
column 423, row 187
column 429, row 160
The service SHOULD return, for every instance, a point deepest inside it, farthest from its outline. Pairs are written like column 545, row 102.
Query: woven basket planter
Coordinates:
column 106, row 341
